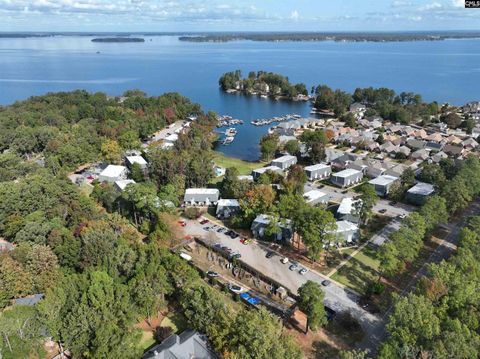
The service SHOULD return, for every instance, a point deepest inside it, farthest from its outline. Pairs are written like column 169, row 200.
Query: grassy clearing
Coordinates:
column 147, row 340
column 359, row 271
column 176, row 321
column 244, row 167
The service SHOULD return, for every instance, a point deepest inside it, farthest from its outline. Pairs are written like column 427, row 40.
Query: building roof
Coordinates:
column 346, row 226
column 422, row 188
column 245, row 178
column 285, row 158
column 347, row 205
column 268, row 168
column 30, row 300
column 122, row 184
column 189, row 344
column 318, row 166
column 137, row 159
column 347, row 173
column 113, row 171
column 228, row 203
column 383, row 180
column 313, row 195
column 206, row 191
column 265, row 220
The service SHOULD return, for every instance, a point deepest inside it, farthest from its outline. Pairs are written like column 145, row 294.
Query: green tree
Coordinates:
column 310, row 302
column 368, row 198
column 111, row 151
column 434, row 212
column 268, row 146
column 292, row 147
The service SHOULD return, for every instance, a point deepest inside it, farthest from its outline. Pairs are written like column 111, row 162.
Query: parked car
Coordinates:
column 284, row 260
column 234, row 235
column 303, row 271
column 293, row 267
column 269, row 254
column 245, row 241
column 205, row 221
column 228, row 233
column 402, row 216
column 220, row 230
column 217, row 245
column 383, row 210
column 188, row 248
column 182, row 223
column 235, row 288
column 206, row 228
column 326, row 283
column 212, row 274
column 237, row 256
column 393, row 203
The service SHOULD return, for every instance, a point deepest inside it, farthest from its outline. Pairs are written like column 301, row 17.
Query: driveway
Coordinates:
column 392, row 210
column 337, row 297
column 379, row 238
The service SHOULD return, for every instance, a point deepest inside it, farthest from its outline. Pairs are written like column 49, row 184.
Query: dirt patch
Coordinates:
column 149, row 324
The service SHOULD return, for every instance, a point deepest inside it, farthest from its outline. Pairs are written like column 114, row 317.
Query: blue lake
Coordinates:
column 446, row 71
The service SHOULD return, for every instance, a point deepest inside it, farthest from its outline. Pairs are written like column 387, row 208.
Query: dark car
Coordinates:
column 234, row 235
column 326, row 283
column 269, row 254
column 383, row 210
column 205, row 221
column 228, row 233
column 212, row 274
column 393, row 203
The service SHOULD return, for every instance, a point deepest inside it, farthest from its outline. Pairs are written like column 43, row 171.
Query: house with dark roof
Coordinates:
column 262, row 221
column 415, row 144
column 189, row 344
column 453, row 151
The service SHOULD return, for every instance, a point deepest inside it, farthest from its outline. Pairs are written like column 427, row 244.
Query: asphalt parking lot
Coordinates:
column 337, row 297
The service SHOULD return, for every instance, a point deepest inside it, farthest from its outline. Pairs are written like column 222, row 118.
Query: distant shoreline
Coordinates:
column 118, row 39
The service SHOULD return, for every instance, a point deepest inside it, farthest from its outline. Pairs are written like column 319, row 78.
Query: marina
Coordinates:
column 276, row 119
column 225, row 120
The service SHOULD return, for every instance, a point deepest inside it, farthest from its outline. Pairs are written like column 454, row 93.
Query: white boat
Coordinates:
column 228, row 140
column 231, row 132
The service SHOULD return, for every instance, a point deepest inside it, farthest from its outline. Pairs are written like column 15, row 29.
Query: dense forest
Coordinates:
column 102, row 261
column 267, row 83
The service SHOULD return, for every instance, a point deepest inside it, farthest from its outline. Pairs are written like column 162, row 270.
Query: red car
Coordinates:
column 182, row 223
column 205, row 221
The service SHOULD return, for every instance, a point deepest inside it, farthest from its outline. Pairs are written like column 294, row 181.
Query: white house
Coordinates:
column 122, row 184
column 284, row 162
column 315, row 196
column 318, row 171
column 130, row 160
column 349, row 210
column 113, row 173
column 383, row 184
column 201, row 196
column 346, row 178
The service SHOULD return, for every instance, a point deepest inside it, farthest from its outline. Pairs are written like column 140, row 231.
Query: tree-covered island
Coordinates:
column 264, row 84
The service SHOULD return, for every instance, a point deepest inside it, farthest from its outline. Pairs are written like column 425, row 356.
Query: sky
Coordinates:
column 236, row 15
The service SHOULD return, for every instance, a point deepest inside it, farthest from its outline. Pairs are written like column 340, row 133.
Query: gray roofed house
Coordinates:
column 422, row 154
column 318, row 171
column 437, row 157
column 284, row 162
column 188, row 345
column 5, row 245
column 343, row 161
column 346, row 178
column 396, row 171
column 415, row 144
column 261, row 222
column 201, row 196
column 257, row 172
column 346, row 232
column 419, row 193
column 130, row 160
column 122, row 184
column 332, row 154
column 382, row 184
column 434, row 146
column 227, row 207
column 470, row 143
column 405, row 150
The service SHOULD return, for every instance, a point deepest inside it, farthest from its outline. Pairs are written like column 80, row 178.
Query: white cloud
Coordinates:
column 458, row 3
column 431, row 6
column 294, row 15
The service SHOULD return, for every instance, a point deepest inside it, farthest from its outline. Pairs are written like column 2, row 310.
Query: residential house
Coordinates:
column 419, row 193
column 349, row 210
column 358, row 107
column 421, row 155
column 139, row 160
column 343, row 161
column 470, row 144
column 259, row 171
column 248, row 178
column 315, row 197
column 122, row 184
column 404, row 150
column 262, row 221
column 415, row 144
column 453, row 140
column 435, row 137
column 437, row 157
column 389, row 148
column 396, row 171
column 453, row 151
column 420, row 134
column 331, row 154
column 5, row 245
column 201, row 196
column 227, row 208
column 189, row 344
column 346, row 178
column 382, row 184
column 113, row 173
column 434, row 146
column 346, row 233
column 318, row 171
column 284, row 162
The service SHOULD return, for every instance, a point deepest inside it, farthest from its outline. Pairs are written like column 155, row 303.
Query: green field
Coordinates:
column 359, row 271
column 244, row 167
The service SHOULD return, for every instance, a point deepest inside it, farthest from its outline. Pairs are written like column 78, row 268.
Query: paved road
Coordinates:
column 444, row 250
column 336, row 297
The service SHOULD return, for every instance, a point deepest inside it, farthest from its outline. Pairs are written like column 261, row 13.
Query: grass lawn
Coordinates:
column 176, row 321
column 147, row 340
column 359, row 271
column 244, row 167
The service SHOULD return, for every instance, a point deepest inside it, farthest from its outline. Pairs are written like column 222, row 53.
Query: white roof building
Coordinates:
column 122, row 184
column 113, row 173
column 383, row 180
column 422, row 189
column 201, row 196
column 315, row 196
column 318, row 166
column 136, row 159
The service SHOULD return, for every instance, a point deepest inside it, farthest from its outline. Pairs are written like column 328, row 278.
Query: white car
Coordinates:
column 303, row 271
column 235, row 288
column 284, row 260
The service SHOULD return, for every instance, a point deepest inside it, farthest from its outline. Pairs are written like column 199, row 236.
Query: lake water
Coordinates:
column 446, row 71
